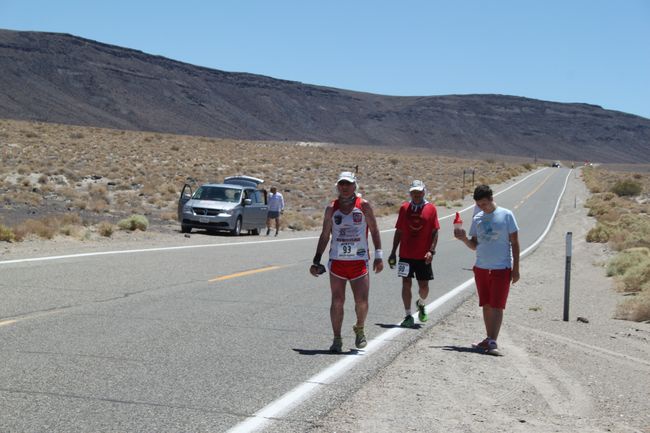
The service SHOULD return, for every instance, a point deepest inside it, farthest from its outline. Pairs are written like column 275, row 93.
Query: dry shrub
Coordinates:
column 169, row 216
column 80, row 204
column 42, row 228
column 167, row 188
column 626, row 259
column 599, row 234
column 105, row 229
column 97, row 205
column 631, row 230
column 636, row 308
column 6, row 234
column 70, row 218
column 98, row 192
column 627, row 187
column 134, row 222
column 636, row 277
column 300, row 221
column 76, row 231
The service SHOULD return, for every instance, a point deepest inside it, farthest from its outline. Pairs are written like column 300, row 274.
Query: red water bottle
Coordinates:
column 458, row 223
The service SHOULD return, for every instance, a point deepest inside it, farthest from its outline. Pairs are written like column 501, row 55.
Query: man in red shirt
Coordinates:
column 416, row 234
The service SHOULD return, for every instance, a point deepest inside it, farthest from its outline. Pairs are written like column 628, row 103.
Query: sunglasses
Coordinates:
column 345, row 182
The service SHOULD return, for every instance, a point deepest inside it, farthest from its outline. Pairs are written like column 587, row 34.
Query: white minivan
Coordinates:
column 236, row 204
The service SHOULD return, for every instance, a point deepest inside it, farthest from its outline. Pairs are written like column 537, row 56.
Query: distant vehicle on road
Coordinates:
column 236, row 204
column 556, row 164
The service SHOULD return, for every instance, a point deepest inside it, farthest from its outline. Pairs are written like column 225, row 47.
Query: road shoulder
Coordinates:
column 554, row 376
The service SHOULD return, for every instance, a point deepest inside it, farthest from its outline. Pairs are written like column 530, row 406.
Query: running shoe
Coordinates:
column 337, row 345
column 488, row 346
column 408, row 322
column 360, row 339
column 482, row 345
column 422, row 312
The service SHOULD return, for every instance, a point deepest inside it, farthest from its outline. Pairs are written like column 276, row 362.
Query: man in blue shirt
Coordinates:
column 494, row 237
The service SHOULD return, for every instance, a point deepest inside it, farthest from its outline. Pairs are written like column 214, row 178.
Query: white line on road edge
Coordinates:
column 147, row 250
column 299, row 394
column 185, row 247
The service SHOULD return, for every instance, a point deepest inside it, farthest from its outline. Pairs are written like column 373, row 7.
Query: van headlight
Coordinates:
column 225, row 213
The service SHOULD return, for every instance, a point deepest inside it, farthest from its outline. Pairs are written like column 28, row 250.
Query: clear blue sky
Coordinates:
column 590, row 51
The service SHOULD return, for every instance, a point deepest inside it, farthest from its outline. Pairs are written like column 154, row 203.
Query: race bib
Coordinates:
column 347, row 249
column 403, row 269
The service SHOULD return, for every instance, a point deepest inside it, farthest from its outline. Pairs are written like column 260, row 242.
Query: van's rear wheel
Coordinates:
column 255, row 232
column 237, row 230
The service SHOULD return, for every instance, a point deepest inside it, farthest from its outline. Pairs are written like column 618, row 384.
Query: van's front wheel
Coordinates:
column 237, row 230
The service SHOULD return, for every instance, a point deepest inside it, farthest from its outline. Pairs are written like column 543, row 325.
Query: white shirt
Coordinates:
column 276, row 202
column 349, row 234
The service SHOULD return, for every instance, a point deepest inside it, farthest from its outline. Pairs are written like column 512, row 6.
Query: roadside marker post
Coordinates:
column 567, row 276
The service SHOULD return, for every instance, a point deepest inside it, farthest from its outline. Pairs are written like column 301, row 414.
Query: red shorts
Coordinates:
column 348, row 269
column 492, row 286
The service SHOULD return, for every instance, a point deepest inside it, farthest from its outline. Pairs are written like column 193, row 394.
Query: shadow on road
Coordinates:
column 393, row 325
column 324, row 352
column 458, row 349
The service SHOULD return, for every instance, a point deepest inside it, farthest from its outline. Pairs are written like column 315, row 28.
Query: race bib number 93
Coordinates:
column 347, row 250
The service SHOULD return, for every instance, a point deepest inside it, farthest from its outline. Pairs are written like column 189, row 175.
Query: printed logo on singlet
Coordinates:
column 357, row 217
column 338, row 219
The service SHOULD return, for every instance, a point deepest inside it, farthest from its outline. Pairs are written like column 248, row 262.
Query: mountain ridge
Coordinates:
column 62, row 78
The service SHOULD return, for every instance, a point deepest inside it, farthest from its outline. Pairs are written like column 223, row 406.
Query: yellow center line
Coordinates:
column 7, row 322
column 533, row 191
column 244, row 273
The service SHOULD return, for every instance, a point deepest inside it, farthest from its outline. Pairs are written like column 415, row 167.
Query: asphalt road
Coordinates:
column 229, row 335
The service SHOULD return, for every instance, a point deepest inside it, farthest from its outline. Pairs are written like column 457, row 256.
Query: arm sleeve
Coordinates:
column 512, row 223
column 472, row 228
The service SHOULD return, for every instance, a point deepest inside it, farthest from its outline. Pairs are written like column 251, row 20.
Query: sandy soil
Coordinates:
column 555, row 376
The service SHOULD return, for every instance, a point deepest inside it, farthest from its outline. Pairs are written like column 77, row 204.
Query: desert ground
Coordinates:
column 94, row 175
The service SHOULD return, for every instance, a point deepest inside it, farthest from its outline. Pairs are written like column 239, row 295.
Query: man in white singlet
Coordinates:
column 347, row 221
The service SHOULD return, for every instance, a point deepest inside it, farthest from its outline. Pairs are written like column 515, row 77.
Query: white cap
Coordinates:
column 347, row 175
column 417, row 185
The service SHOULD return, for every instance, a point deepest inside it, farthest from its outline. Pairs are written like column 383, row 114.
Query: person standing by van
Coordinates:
column 276, row 207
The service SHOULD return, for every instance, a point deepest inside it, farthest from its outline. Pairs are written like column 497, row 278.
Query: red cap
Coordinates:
column 458, row 220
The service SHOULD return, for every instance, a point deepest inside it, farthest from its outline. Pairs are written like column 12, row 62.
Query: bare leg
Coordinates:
column 493, row 317
column 337, row 286
column 406, row 292
column 424, row 289
column 360, row 288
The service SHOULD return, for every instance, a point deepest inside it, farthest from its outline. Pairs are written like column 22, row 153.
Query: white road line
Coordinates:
column 147, row 250
column 185, row 247
column 299, row 394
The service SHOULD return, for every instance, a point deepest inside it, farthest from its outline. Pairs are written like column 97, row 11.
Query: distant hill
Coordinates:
column 61, row 78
